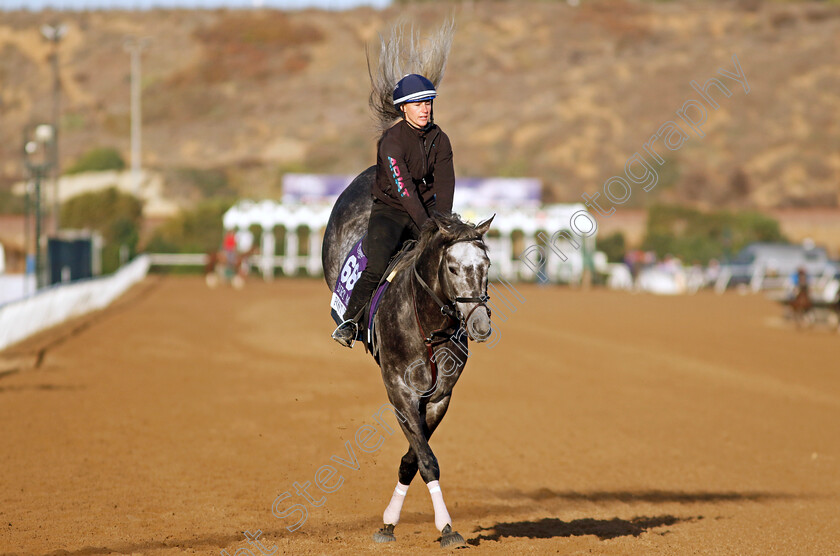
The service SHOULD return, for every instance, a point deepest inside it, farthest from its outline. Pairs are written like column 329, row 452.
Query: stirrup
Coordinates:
column 355, row 333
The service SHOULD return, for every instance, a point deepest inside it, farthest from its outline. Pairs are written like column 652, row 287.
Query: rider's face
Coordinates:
column 417, row 113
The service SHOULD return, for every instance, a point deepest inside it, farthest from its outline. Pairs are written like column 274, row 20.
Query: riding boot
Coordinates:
column 354, row 323
column 346, row 332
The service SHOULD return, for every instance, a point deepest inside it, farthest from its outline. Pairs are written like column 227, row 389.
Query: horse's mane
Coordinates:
column 447, row 227
column 401, row 54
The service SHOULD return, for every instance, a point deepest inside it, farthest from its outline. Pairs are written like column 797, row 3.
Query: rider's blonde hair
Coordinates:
column 402, row 53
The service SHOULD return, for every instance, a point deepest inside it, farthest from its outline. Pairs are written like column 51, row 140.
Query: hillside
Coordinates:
column 540, row 89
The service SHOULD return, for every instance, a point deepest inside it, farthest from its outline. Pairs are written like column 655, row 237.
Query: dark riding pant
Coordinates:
column 388, row 228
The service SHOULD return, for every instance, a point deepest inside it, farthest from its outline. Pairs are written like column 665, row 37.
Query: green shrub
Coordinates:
column 613, row 246
column 197, row 231
column 696, row 236
column 97, row 160
column 11, row 203
column 115, row 215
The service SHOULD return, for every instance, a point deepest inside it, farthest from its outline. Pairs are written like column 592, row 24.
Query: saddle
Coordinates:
column 354, row 263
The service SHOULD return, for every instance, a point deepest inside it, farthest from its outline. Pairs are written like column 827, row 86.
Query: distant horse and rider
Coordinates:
column 416, row 311
column 805, row 309
column 229, row 264
column 801, row 304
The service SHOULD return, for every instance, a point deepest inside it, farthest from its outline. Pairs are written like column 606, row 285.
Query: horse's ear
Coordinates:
column 482, row 227
column 440, row 224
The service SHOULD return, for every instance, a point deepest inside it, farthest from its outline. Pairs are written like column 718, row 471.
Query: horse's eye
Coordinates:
column 453, row 269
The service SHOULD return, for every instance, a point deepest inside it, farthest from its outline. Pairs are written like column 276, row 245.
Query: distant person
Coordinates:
column 229, row 247
column 801, row 280
column 801, row 303
column 794, row 278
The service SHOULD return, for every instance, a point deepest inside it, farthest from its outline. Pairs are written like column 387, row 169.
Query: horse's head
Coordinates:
column 463, row 273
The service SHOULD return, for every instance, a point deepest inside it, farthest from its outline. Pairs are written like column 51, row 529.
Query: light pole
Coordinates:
column 135, row 47
column 38, row 148
column 54, row 34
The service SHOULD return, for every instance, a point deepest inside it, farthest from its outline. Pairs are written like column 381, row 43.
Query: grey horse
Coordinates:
column 436, row 302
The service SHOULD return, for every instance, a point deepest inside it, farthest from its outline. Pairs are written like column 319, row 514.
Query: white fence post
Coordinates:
column 290, row 257
column 313, row 266
column 267, row 247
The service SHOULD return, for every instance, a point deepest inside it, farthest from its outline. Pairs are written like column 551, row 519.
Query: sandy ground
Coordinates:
column 601, row 423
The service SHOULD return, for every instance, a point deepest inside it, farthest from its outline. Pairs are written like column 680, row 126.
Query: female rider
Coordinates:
column 414, row 177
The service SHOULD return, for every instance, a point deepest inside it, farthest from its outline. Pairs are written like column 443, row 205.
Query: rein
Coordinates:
column 448, row 310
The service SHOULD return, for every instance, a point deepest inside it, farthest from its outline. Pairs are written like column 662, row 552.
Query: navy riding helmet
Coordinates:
column 413, row 88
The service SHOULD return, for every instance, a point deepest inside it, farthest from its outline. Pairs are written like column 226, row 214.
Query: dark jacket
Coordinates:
column 414, row 171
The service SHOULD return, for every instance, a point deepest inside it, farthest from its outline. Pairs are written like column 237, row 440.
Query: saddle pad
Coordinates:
column 372, row 338
column 351, row 270
column 377, row 297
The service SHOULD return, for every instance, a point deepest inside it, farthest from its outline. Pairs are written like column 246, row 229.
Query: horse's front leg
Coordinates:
column 431, row 475
column 418, row 427
column 409, row 464
column 391, row 516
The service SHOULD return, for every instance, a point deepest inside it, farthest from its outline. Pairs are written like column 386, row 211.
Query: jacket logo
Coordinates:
column 395, row 172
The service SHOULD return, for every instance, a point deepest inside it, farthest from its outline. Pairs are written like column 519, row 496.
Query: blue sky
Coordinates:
column 192, row 4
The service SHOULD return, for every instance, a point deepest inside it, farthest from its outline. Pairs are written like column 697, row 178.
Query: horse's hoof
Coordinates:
column 450, row 538
column 385, row 534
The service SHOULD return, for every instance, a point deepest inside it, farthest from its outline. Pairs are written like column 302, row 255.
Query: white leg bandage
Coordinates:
column 442, row 518
column 392, row 512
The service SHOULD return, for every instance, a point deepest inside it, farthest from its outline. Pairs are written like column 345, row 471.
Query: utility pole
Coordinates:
column 54, row 34
column 38, row 149
column 135, row 47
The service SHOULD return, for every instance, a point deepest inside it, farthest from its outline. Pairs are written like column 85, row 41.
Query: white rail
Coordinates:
column 52, row 306
column 177, row 259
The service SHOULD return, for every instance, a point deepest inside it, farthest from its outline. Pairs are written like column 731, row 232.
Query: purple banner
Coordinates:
column 313, row 188
column 469, row 192
column 488, row 192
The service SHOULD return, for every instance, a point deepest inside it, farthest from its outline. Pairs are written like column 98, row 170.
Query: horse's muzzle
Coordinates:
column 479, row 325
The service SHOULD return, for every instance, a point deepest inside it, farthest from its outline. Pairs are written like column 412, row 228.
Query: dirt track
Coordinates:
column 601, row 423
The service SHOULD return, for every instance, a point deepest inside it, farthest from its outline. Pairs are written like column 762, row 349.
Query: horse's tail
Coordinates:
column 401, row 54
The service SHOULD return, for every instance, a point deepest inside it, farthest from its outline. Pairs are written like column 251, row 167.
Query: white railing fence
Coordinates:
column 52, row 306
column 555, row 246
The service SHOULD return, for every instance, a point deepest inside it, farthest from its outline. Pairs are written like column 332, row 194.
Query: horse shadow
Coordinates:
column 604, row 529
column 648, row 496
column 611, row 528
